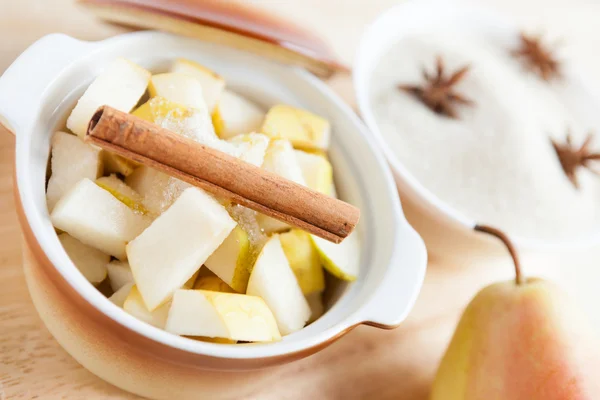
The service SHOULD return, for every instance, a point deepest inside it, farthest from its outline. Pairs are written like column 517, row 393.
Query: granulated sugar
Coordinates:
column 495, row 162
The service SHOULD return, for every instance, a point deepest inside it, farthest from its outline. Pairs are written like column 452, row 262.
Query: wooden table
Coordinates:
column 368, row 363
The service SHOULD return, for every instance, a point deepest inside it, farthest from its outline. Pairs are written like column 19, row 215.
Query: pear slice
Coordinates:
column 95, row 217
column 221, row 315
column 158, row 190
column 159, row 108
column 304, row 260
column 316, row 170
column 115, row 164
column 72, row 160
column 118, row 298
column 119, row 274
column 189, row 284
column 90, row 262
column 341, row 260
column 231, row 261
column 212, row 84
column 235, row 115
column 178, row 88
column 273, row 280
column 252, row 146
column 177, row 243
column 213, row 283
column 122, row 192
column 120, row 86
column 304, row 129
column 280, row 158
column 134, row 305
column 315, row 301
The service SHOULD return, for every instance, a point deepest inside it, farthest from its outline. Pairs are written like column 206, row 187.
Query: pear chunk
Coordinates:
column 90, row 262
column 315, row 301
column 178, row 88
column 231, row 261
column 212, row 84
column 115, row 164
column 134, row 305
column 341, row 260
column 122, row 192
column 235, row 115
column 252, row 147
column 305, row 130
column 304, row 260
column 177, row 243
column 72, row 160
column 221, row 315
column 120, row 86
column 118, row 298
column 119, row 274
column 214, row 283
column 272, row 279
column 159, row 108
column 280, row 159
column 316, row 170
column 95, row 217
column 158, row 190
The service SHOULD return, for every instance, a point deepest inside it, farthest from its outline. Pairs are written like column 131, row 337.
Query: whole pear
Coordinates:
column 520, row 340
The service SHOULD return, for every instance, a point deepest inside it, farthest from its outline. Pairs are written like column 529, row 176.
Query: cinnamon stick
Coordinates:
column 221, row 174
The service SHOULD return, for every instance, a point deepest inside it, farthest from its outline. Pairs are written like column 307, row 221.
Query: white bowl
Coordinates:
column 42, row 85
column 447, row 232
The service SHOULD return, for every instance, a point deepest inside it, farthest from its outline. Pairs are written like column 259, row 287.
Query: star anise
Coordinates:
column 537, row 58
column 571, row 159
column 437, row 92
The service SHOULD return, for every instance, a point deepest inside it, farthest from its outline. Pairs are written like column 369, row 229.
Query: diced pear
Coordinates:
column 222, row 315
column 95, row 217
column 118, row 298
column 122, row 192
column 158, row 190
column 280, row 158
column 72, row 160
column 231, row 261
column 315, row 301
column 119, row 274
column 273, row 280
column 213, row 283
column 134, row 305
column 342, row 260
column 304, row 260
column 120, row 86
column 90, row 262
column 115, row 164
column 192, row 281
column 253, row 147
column 212, row 83
column 316, row 170
column 159, row 108
column 304, row 129
column 176, row 244
column 178, row 88
column 235, row 115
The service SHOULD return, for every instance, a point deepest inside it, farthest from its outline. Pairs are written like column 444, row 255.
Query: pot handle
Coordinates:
column 23, row 84
column 393, row 300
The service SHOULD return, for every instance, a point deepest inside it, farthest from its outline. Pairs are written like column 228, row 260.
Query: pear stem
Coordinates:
column 509, row 245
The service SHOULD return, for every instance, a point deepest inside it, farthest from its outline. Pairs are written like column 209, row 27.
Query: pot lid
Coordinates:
column 229, row 23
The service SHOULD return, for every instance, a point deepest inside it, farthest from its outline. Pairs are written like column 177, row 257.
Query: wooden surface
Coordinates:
column 368, row 363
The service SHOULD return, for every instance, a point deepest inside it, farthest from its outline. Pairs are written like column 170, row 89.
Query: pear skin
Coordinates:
column 520, row 340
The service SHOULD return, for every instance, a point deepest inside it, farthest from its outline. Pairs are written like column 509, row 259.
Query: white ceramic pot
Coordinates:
column 39, row 89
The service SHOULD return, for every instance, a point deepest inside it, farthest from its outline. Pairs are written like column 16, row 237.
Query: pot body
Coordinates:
column 133, row 355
